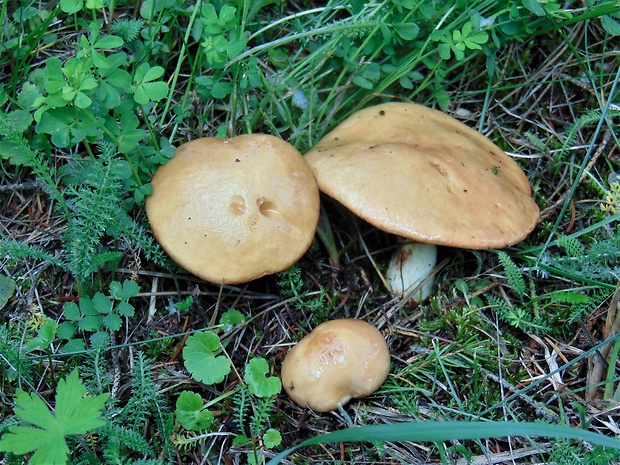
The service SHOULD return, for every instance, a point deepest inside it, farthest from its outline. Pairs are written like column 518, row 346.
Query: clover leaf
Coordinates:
column 258, row 383
column 146, row 87
column 74, row 414
column 201, row 359
column 191, row 412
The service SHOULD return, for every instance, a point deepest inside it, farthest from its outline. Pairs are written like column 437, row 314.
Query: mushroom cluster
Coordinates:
column 232, row 210
column 338, row 361
column 420, row 174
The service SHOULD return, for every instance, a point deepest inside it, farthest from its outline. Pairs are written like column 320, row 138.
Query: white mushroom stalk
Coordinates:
column 410, row 271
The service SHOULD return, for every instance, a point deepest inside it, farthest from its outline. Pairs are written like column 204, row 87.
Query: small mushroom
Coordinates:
column 232, row 210
column 339, row 360
column 420, row 174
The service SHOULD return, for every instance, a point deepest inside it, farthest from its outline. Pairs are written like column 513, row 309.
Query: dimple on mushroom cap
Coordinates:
column 339, row 360
column 232, row 210
column 421, row 174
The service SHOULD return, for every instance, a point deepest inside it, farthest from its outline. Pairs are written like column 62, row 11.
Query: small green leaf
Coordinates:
column 407, row 31
column 190, row 412
column 109, row 42
column 221, row 89
column 72, row 311
column 112, row 322
column 102, row 303
column 200, row 358
column 231, row 318
column 7, row 288
column 71, row 6
column 611, row 25
column 534, row 6
column 90, row 323
column 74, row 345
column 124, row 291
column 258, row 384
column 362, row 82
column 125, row 309
column 272, row 438
column 45, row 336
column 66, row 330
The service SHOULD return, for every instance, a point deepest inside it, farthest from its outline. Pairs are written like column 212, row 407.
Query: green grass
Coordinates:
column 519, row 344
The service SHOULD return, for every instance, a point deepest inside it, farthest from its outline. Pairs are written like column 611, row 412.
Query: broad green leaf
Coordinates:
column 200, row 358
column 82, row 100
column 258, row 384
column 59, row 130
column 74, row 414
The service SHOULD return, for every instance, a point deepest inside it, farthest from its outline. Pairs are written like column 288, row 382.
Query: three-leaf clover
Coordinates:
column 147, row 88
column 258, row 384
column 74, row 414
column 201, row 359
column 459, row 41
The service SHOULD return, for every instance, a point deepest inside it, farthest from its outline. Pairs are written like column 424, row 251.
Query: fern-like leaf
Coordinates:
column 127, row 29
column 513, row 274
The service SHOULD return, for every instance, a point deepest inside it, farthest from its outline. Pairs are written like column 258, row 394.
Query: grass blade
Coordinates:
column 439, row 431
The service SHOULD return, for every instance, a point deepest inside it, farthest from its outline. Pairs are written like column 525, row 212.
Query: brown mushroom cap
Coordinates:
column 339, row 360
column 232, row 210
column 421, row 174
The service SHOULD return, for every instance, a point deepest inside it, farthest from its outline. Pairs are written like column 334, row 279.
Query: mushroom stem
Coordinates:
column 409, row 271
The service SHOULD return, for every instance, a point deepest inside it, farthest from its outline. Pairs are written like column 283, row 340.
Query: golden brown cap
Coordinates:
column 232, row 210
column 339, row 360
column 421, row 174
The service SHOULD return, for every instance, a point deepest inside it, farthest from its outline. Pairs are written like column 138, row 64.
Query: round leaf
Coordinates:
column 201, row 361
column 258, row 384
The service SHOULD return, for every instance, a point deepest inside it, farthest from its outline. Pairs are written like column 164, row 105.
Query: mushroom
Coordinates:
column 420, row 174
column 232, row 210
column 339, row 360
